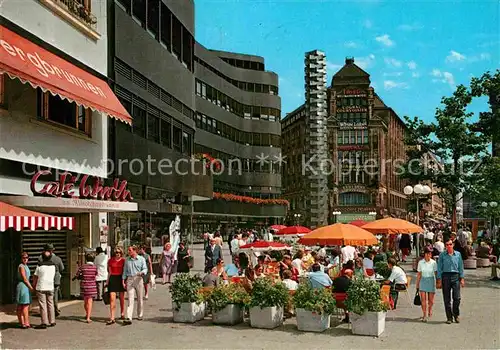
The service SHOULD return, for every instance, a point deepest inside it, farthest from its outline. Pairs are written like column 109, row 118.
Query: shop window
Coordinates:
column 153, row 128
column 139, row 11
column 54, row 109
column 177, row 139
column 153, row 16
column 139, row 122
column 166, row 26
column 166, row 133
column 176, row 37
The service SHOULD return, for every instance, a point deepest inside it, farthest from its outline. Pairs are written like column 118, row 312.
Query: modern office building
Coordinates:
column 365, row 139
column 190, row 106
column 54, row 108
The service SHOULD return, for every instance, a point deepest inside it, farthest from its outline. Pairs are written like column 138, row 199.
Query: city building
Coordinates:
column 54, row 106
column 238, row 114
column 191, row 106
column 365, row 145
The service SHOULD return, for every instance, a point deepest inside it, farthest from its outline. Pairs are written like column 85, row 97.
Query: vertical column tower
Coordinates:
column 316, row 137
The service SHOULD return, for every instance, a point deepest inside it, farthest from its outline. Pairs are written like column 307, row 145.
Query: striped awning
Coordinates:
column 12, row 217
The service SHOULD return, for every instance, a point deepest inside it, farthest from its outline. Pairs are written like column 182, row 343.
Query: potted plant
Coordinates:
column 313, row 308
column 367, row 312
column 228, row 303
column 187, row 301
column 382, row 269
column 267, row 303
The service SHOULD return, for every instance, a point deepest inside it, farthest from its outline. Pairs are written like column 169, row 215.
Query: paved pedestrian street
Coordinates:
column 479, row 328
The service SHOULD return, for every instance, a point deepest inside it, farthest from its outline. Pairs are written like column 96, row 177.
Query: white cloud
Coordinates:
column 412, row 65
column 365, row 62
column 410, row 27
column 368, row 24
column 443, row 77
column 351, row 45
column 393, row 74
column 333, row 66
column 455, row 56
column 392, row 62
column 390, row 84
column 483, row 56
column 415, row 75
column 385, row 40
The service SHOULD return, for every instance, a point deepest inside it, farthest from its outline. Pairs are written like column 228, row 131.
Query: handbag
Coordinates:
column 105, row 298
column 416, row 300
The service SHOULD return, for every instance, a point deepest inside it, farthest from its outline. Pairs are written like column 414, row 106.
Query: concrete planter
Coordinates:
column 470, row 263
column 230, row 315
column 309, row 321
column 370, row 323
column 189, row 313
column 268, row 317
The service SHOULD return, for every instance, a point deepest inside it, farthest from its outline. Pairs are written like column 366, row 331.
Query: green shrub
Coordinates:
column 229, row 294
column 266, row 293
column 364, row 296
column 186, row 289
column 319, row 300
column 382, row 269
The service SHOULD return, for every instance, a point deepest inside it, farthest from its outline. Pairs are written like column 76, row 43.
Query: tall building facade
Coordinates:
column 365, row 145
column 196, row 109
column 316, row 138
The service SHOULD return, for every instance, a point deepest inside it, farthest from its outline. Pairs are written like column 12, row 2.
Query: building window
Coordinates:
column 177, row 138
column 166, row 133
column 176, row 37
column 365, row 136
column 153, row 16
column 166, row 26
column 139, row 11
column 139, row 122
column 354, row 198
column 125, row 4
column 153, row 128
column 186, row 143
column 54, row 109
column 359, row 136
column 187, row 49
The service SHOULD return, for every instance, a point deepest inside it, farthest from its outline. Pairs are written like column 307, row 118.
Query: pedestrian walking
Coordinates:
column 87, row 274
column 101, row 262
column 57, row 277
column 44, row 285
column 23, row 292
column 133, row 271
column 115, row 284
column 450, row 277
column 147, row 277
column 167, row 262
column 426, row 283
column 184, row 256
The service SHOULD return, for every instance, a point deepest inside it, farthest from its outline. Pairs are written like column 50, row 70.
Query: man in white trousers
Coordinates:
column 134, row 270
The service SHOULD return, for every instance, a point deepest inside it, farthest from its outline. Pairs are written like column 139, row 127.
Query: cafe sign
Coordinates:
column 90, row 187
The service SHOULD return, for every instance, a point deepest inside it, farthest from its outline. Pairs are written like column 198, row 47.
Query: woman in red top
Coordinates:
column 115, row 284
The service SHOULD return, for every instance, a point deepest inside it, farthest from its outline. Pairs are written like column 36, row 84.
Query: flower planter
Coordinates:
column 267, row 317
column 370, row 323
column 230, row 315
column 309, row 321
column 189, row 313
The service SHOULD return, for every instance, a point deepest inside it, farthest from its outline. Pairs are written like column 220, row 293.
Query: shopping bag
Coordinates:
column 105, row 298
column 152, row 281
column 416, row 300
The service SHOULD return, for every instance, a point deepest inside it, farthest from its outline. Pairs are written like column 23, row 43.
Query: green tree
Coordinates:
column 453, row 140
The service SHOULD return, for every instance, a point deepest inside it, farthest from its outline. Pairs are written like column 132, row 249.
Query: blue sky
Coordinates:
column 415, row 51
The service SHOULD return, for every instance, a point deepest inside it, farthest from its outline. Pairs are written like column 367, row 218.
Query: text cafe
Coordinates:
column 66, row 210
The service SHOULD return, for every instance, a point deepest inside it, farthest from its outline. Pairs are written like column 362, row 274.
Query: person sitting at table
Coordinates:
column 359, row 270
column 211, row 279
column 234, row 269
column 259, row 271
column 347, row 266
column 319, row 279
column 288, row 282
column 397, row 280
column 286, row 264
column 298, row 263
column 340, row 286
column 368, row 264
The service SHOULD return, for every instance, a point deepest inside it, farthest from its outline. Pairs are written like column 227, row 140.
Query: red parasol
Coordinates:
column 358, row 223
column 293, row 230
column 277, row 227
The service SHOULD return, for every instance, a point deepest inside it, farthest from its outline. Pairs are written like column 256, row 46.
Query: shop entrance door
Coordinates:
column 10, row 246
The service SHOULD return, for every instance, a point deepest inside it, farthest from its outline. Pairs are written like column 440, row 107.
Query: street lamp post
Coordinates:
column 297, row 219
column 335, row 213
column 419, row 191
column 491, row 205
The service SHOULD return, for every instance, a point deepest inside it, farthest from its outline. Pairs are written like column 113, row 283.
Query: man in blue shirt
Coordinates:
column 133, row 271
column 318, row 278
column 450, row 276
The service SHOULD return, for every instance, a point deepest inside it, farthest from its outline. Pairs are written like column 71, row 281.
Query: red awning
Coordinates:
column 22, row 59
column 19, row 218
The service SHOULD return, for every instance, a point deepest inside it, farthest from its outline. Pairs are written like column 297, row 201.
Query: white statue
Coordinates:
column 175, row 234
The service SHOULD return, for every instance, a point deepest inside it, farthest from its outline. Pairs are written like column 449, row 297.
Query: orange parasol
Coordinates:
column 391, row 226
column 339, row 234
